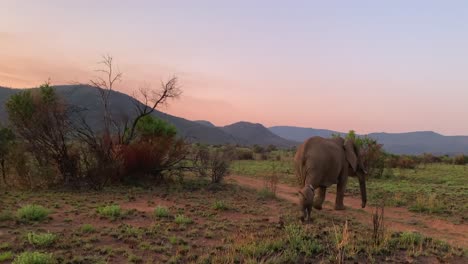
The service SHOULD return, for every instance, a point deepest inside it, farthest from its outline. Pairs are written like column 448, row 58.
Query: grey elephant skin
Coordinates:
column 322, row 162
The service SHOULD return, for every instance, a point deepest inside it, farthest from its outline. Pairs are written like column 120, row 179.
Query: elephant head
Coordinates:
column 356, row 167
column 306, row 201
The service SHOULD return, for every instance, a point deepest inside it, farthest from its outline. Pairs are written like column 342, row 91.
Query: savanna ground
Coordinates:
column 240, row 221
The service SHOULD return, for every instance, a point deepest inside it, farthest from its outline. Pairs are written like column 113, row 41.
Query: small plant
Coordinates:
column 87, row 228
column 161, row 212
column 110, row 211
column 220, row 205
column 32, row 212
column 6, row 256
column 341, row 242
column 378, row 230
column 183, row 220
column 410, row 240
column 35, row 258
column 41, row 240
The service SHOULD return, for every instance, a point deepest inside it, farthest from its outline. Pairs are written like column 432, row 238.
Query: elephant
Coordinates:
column 320, row 162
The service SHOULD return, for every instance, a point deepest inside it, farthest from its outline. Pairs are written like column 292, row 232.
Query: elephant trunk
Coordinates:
column 362, row 185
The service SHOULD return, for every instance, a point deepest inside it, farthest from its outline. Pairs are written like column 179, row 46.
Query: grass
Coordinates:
column 32, row 212
column 35, row 258
column 161, row 212
column 257, row 231
column 220, row 205
column 41, row 240
column 6, row 216
column 87, row 228
column 183, row 220
column 110, row 211
column 438, row 189
column 6, row 256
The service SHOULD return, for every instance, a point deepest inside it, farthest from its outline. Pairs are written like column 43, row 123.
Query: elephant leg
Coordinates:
column 340, row 190
column 319, row 197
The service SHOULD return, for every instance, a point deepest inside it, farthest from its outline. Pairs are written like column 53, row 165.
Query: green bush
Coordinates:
column 183, row 220
column 41, row 240
column 110, row 211
column 32, row 212
column 161, row 212
column 35, row 258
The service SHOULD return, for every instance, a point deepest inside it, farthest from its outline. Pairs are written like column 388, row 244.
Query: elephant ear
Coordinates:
column 351, row 154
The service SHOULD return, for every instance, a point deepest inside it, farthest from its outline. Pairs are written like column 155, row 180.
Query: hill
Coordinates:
column 411, row 143
column 122, row 106
column 251, row 133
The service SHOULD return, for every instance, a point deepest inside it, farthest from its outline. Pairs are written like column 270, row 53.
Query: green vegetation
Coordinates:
column 183, row 220
column 35, row 258
column 6, row 256
column 88, row 228
column 220, row 205
column 110, row 211
column 32, row 212
column 161, row 211
column 41, row 240
column 434, row 188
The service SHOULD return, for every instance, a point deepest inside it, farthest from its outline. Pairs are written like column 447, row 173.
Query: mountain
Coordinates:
column 412, row 143
column 122, row 106
column 300, row 134
column 205, row 123
column 251, row 133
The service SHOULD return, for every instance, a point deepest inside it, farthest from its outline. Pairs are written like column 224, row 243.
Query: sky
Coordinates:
column 371, row 66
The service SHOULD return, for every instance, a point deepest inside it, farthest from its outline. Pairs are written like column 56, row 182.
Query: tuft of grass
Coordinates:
column 183, row 220
column 110, row 211
column 161, row 212
column 87, row 228
column 6, row 256
column 220, row 205
column 33, row 212
column 35, row 258
column 41, row 240
column 266, row 193
column 410, row 240
column 429, row 204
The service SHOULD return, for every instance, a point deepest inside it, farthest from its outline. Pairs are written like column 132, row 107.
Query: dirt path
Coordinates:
column 397, row 219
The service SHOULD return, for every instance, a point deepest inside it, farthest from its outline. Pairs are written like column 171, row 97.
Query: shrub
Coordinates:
column 244, row 154
column 258, row 149
column 409, row 240
column 35, row 258
column 460, row 159
column 183, row 220
column 110, row 211
column 214, row 164
column 41, row 240
column 32, row 212
column 161, row 212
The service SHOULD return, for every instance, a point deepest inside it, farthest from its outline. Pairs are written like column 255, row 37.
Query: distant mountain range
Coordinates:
column 412, row 143
column 245, row 133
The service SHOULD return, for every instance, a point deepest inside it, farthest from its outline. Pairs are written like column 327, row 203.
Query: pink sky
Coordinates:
column 368, row 67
